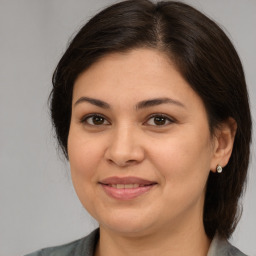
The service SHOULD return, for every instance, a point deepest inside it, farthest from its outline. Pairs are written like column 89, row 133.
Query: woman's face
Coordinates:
column 139, row 144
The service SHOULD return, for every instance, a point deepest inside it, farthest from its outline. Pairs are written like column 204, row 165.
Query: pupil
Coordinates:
column 159, row 120
column 97, row 120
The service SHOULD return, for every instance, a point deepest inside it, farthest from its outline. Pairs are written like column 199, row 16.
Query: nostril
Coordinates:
column 122, row 163
column 110, row 161
column 131, row 161
column 122, row 156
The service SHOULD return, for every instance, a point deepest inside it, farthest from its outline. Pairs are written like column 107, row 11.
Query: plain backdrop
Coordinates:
column 38, row 206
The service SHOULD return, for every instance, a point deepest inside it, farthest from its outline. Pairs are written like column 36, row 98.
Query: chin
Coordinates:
column 127, row 224
column 125, row 230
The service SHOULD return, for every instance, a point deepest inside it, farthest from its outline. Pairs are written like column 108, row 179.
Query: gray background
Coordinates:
column 38, row 206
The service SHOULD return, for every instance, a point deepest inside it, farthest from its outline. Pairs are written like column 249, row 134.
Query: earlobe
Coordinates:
column 224, row 141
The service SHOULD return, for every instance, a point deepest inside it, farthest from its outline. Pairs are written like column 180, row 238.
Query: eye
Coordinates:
column 95, row 119
column 159, row 120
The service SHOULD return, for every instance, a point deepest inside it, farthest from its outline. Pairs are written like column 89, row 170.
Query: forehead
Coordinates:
column 135, row 75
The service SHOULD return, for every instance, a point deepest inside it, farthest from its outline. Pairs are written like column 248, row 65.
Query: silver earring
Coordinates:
column 219, row 169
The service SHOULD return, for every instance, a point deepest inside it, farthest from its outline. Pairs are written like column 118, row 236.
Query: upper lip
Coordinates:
column 126, row 180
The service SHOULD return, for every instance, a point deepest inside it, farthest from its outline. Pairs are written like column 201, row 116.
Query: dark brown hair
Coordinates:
column 204, row 56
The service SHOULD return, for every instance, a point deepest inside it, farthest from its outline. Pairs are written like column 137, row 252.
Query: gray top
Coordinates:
column 85, row 247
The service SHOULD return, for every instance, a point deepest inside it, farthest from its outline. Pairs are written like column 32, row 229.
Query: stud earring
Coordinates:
column 219, row 169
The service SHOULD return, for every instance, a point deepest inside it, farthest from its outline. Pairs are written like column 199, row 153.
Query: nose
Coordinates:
column 124, row 147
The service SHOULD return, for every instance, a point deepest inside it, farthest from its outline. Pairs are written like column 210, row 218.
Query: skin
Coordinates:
column 178, row 153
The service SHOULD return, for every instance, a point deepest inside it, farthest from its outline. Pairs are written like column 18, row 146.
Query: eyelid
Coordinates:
column 170, row 120
column 84, row 119
column 167, row 117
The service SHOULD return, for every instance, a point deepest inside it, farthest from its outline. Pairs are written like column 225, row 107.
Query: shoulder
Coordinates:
column 233, row 251
column 84, row 246
column 221, row 247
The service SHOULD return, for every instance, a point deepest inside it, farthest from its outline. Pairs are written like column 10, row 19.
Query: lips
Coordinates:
column 126, row 188
column 126, row 180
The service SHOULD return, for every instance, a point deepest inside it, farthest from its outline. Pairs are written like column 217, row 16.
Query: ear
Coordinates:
column 223, row 143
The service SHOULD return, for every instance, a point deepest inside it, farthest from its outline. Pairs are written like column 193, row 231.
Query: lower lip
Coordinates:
column 126, row 193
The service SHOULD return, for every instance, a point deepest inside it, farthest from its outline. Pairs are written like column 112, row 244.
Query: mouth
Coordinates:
column 121, row 186
column 126, row 188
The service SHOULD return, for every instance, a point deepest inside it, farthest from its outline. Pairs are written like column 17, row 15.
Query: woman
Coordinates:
column 150, row 107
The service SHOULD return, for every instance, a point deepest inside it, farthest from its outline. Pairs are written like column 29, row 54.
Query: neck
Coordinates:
column 167, row 242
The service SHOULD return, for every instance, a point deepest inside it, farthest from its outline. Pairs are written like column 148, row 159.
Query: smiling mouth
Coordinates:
column 126, row 188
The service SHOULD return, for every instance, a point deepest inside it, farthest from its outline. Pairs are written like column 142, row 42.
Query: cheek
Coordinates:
column 184, row 176
column 84, row 157
column 184, row 161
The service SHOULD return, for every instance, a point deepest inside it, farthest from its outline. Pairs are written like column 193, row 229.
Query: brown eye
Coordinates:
column 95, row 120
column 159, row 120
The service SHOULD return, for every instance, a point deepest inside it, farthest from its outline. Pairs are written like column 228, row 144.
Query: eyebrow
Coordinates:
column 140, row 105
column 98, row 103
column 158, row 101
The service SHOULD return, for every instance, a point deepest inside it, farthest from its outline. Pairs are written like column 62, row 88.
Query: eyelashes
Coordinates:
column 95, row 120
column 158, row 120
